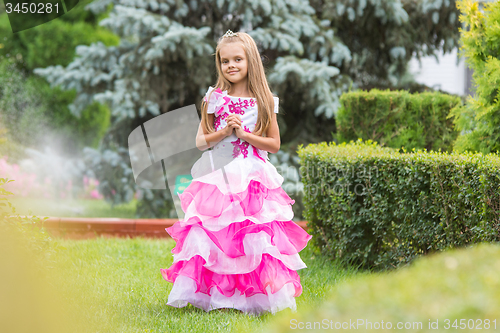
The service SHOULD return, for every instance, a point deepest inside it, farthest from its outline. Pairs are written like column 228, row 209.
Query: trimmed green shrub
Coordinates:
column 398, row 119
column 378, row 208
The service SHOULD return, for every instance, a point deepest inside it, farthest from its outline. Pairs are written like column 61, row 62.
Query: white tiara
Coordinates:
column 229, row 33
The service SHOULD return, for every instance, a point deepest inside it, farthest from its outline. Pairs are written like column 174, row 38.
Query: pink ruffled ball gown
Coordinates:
column 237, row 246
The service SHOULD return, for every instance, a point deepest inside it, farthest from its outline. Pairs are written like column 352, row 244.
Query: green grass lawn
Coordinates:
column 72, row 208
column 115, row 285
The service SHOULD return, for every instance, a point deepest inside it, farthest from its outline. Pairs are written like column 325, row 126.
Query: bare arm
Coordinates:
column 205, row 140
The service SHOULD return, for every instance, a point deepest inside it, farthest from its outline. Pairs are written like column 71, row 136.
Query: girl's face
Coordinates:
column 234, row 63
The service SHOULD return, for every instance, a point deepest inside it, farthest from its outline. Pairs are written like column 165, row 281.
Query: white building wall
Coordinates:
column 446, row 74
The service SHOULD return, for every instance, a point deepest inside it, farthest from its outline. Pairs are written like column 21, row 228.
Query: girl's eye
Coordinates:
column 225, row 61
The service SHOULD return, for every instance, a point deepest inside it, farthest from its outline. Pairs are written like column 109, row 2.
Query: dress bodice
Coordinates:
column 222, row 105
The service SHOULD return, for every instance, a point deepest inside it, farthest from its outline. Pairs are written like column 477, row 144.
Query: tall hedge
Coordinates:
column 398, row 119
column 378, row 208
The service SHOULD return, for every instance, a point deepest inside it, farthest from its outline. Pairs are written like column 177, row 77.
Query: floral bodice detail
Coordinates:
column 241, row 147
column 221, row 105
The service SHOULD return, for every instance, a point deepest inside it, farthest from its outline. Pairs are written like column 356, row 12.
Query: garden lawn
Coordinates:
column 72, row 208
column 115, row 285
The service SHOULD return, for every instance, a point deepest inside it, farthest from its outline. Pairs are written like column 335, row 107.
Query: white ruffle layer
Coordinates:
column 184, row 292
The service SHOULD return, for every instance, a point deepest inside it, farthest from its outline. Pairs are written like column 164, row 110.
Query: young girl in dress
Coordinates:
column 237, row 246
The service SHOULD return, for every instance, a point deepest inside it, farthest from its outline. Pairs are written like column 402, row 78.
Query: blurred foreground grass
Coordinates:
column 72, row 208
column 461, row 285
column 29, row 301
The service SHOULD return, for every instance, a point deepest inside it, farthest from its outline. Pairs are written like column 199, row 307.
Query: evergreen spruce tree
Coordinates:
column 312, row 50
column 479, row 118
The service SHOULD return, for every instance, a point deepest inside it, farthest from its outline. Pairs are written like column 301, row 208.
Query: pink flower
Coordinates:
column 95, row 195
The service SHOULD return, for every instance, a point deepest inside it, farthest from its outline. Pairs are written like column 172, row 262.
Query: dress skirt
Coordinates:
column 237, row 246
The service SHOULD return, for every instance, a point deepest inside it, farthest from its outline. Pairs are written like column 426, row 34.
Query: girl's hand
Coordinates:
column 233, row 122
column 240, row 133
column 230, row 124
column 238, row 130
column 228, row 130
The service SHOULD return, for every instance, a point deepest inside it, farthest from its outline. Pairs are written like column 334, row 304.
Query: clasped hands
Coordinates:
column 234, row 123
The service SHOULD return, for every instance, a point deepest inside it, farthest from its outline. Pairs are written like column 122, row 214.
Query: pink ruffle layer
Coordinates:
column 271, row 211
column 287, row 236
column 271, row 272
column 210, row 201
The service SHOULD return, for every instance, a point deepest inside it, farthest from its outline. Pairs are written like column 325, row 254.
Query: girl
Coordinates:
column 237, row 246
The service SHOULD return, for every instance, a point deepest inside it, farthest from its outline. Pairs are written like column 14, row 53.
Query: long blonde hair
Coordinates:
column 257, row 83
